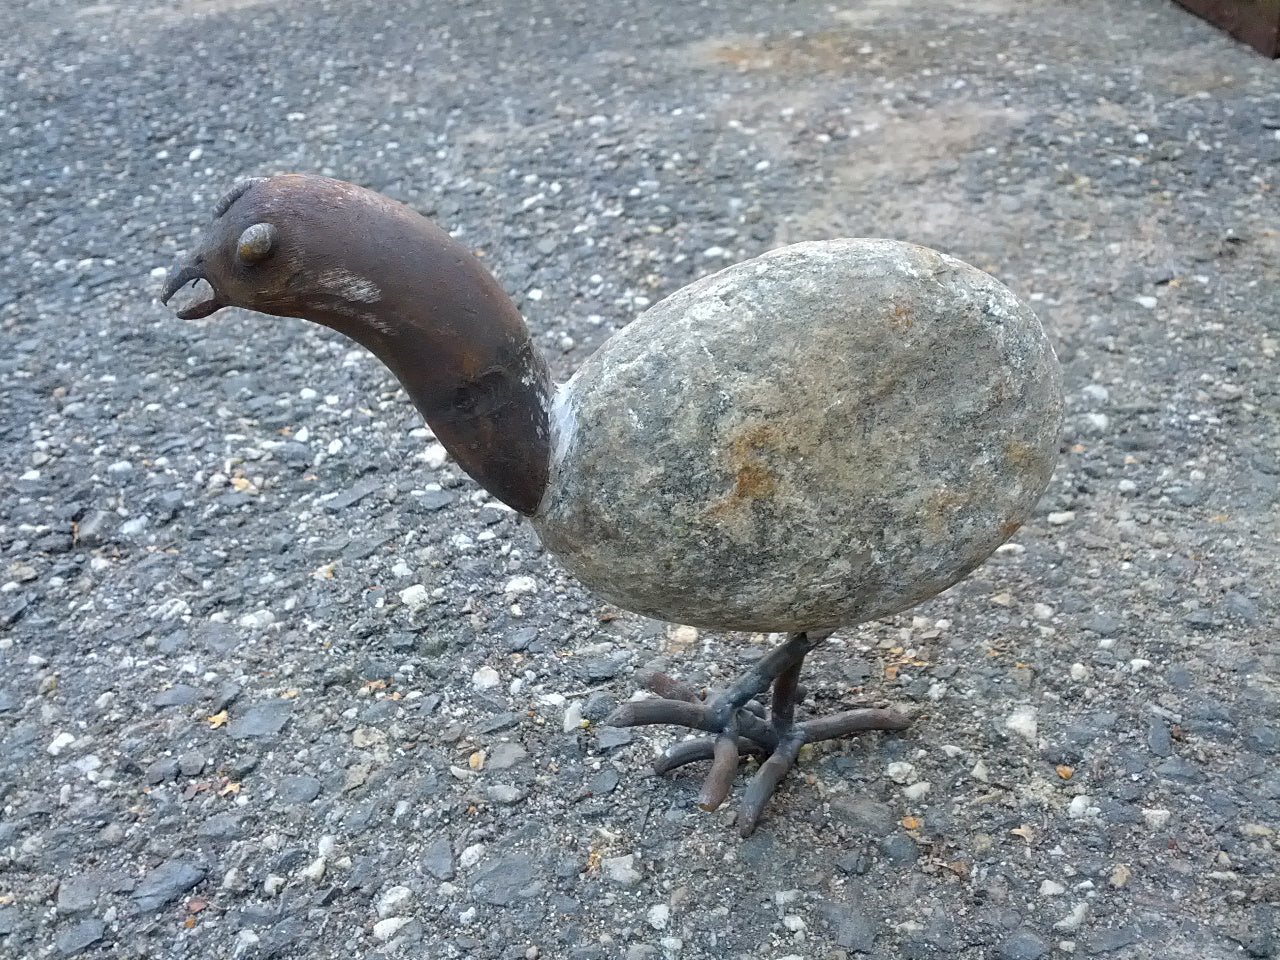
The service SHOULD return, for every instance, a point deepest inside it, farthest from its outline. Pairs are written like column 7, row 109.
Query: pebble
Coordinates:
column 1023, row 722
column 264, row 719
column 437, row 859
column 79, row 936
column 394, row 901
column 60, row 743
column 572, row 716
column 505, row 880
column 273, row 885
column 415, row 596
column 900, row 771
column 622, row 870
column 521, row 585
column 485, row 678
column 384, row 930
column 1023, row 944
column 505, row 755
column 658, row 916
column 166, row 883
column 78, row 894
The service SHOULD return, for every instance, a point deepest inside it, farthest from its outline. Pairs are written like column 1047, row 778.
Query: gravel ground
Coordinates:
column 277, row 680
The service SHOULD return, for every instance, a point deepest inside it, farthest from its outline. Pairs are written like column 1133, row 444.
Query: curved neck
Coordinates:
column 428, row 309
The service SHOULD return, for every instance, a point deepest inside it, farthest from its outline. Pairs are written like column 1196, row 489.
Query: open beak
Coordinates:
column 181, row 275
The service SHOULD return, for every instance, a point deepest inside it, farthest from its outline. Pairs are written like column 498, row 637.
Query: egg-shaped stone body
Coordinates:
column 826, row 434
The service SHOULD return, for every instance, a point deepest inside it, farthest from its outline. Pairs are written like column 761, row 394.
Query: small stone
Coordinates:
column 273, row 885
column 415, row 596
column 899, row 849
column 78, row 937
column 384, row 930
column 60, row 743
column 191, row 763
column 622, row 870
column 900, row 771
column 438, row 859
column 1079, row 807
column 572, row 716
column 161, row 771
column 485, row 678
column 1060, row 518
column 658, row 916
column 505, row 793
column 505, row 755
column 1023, row 944
column 1120, row 875
column 295, row 789
column 165, row 884
column 78, row 894
column 316, row 870
column 261, row 720
column 394, row 901
column 1156, row 819
column 1051, row 888
column 505, row 881
column 1022, row 722
column 521, row 585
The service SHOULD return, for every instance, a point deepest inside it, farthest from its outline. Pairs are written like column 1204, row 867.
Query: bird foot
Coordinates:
column 746, row 730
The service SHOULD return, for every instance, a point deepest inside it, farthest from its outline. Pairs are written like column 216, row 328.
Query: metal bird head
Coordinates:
column 278, row 245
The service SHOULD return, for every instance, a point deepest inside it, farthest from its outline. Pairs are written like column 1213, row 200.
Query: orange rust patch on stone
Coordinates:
column 942, row 506
column 901, row 318
column 753, row 480
column 1023, row 456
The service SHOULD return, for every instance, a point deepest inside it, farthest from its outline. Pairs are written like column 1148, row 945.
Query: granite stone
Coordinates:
column 829, row 433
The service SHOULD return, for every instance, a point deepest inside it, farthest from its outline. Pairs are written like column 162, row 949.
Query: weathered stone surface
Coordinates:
column 829, row 433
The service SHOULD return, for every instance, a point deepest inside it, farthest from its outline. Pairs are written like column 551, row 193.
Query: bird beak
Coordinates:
column 179, row 277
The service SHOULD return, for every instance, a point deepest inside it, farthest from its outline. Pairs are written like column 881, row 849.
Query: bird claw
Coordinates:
column 773, row 739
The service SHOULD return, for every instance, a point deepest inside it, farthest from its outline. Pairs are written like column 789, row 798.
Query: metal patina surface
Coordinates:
column 829, row 433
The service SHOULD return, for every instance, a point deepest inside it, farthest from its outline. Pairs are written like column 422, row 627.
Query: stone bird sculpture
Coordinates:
column 827, row 434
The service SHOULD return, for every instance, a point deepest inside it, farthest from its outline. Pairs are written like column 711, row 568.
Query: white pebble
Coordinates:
column 273, row 885
column 900, row 771
column 794, row 923
column 60, row 743
column 622, row 870
column 1079, row 807
column 1144, row 301
column 316, row 869
column 658, row 916
column 916, row 791
column 335, row 447
column 486, row 678
column 1079, row 671
column 1051, row 888
column 1096, row 392
column 1023, row 722
column 572, row 716
column 471, row 855
column 1042, row 611
column 414, row 596
column 981, row 772
column 394, row 900
column 1060, row 518
column 521, row 584
column 1156, row 818
column 384, row 930
column 434, row 456
column 1073, row 919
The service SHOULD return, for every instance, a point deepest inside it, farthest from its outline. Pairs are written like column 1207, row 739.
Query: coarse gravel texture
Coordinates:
column 276, row 680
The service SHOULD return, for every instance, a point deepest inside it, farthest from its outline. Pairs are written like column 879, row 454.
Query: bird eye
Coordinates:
column 257, row 243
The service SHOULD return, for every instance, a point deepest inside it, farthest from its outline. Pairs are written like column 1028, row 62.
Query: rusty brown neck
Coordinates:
column 427, row 308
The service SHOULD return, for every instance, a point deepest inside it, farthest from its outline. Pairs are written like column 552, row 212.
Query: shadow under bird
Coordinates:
column 824, row 435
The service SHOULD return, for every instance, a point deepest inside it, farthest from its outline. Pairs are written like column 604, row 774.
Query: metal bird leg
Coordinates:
column 740, row 725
